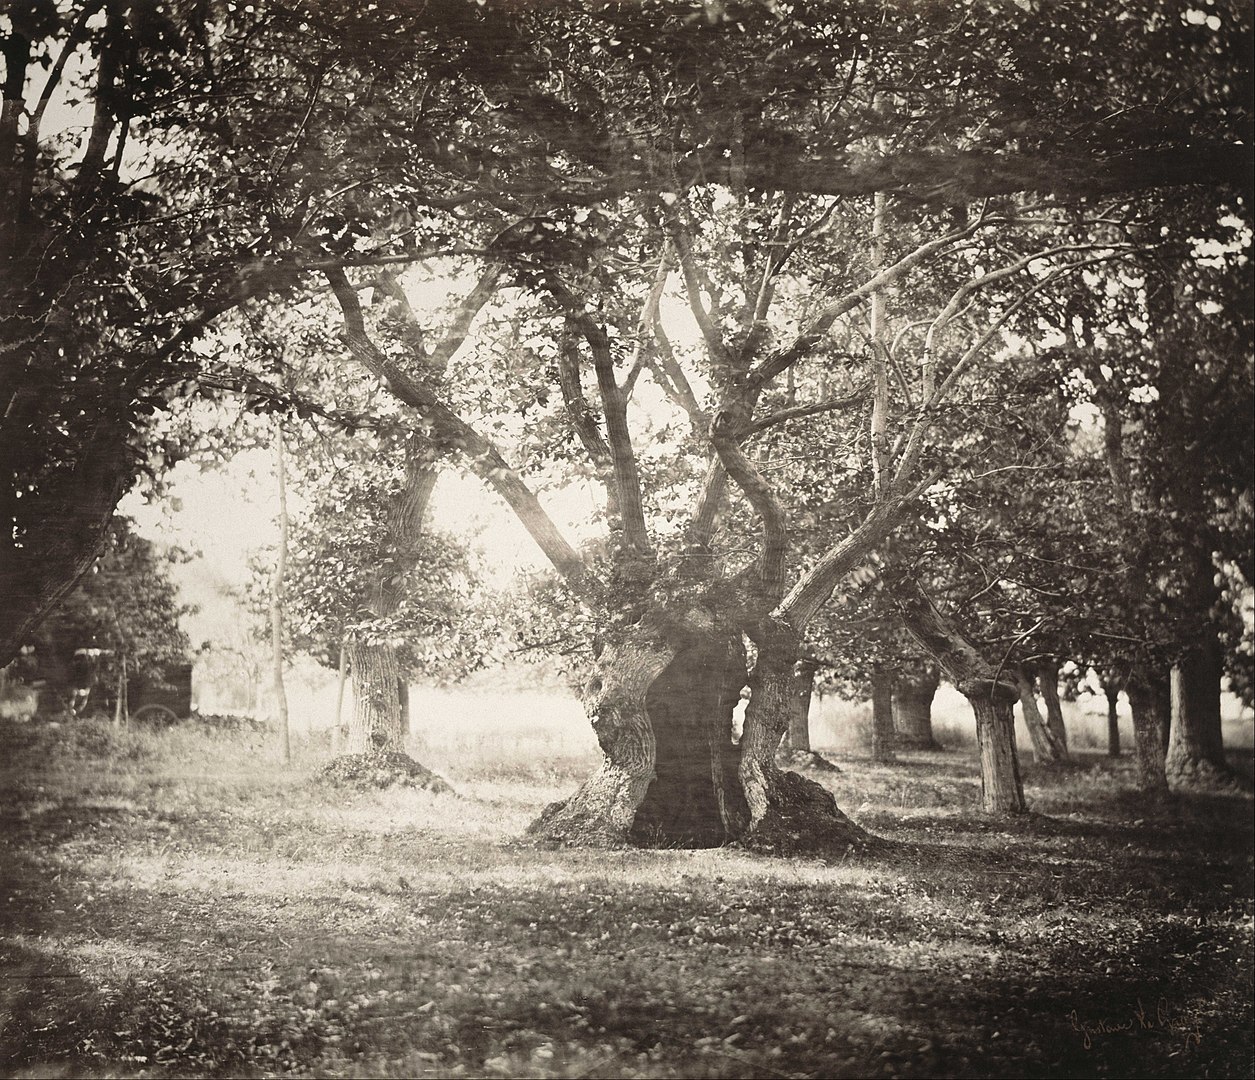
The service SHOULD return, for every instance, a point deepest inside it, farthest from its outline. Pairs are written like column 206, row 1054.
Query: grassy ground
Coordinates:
column 172, row 904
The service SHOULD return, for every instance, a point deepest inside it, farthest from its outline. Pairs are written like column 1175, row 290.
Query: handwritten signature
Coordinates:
column 1140, row 1019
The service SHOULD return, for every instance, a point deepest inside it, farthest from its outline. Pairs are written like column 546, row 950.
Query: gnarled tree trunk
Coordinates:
column 913, row 692
column 1150, row 701
column 661, row 701
column 380, row 719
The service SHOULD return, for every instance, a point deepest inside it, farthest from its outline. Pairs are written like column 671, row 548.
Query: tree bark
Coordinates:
column 338, row 734
column 375, row 726
column 276, row 608
column 661, row 701
column 1048, row 680
column 1150, row 701
column 378, row 724
column 403, row 700
column 1195, row 755
column 882, row 715
column 1001, row 788
column 1046, row 749
column 913, row 692
column 798, row 735
column 990, row 693
column 1113, row 720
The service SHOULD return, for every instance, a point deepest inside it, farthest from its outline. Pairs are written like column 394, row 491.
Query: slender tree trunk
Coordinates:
column 913, row 692
column 338, row 733
column 1150, row 701
column 1111, row 688
column 798, row 736
column 403, row 699
column 121, row 711
column 1048, row 680
column 1195, row 749
column 882, row 715
column 276, row 606
column 1046, row 750
column 1001, row 789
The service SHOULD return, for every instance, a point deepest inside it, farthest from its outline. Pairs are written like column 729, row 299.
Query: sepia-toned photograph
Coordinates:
column 627, row 539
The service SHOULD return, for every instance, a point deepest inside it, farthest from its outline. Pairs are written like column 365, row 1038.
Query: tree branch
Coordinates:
column 582, row 419
column 649, row 318
column 451, row 431
column 614, row 407
column 785, row 415
column 812, row 590
column 819, row 326
column 694, row 283
column 762, row 497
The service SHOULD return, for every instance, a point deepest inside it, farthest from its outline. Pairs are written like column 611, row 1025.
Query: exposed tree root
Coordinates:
column 372, row 772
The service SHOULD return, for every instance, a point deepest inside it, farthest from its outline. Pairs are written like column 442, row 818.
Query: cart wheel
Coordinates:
column 155, row 714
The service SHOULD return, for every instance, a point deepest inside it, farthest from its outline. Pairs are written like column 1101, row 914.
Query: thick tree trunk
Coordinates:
column 1001, row 789
column 1150, row 701
column 1195, row 755
column 380, row 720
column 991, row 695
column 913, row 692
column 1048, row 681
column 798, row 735
column 375, row 726
column 882, row 715
column 661, row 702
column 1046, row 750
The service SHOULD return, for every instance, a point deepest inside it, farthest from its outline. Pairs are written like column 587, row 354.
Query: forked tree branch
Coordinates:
column 449, row 430
column 783, row 416
column 814, row 332
column 627, row 481
column 812, row 590
column 695, row 283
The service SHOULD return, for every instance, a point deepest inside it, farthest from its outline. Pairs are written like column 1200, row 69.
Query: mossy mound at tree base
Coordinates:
column 1189, row 775
column 805, row 759
column 803, row 820
column 373, row 772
